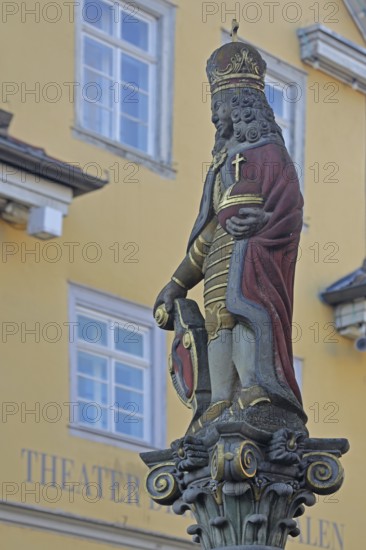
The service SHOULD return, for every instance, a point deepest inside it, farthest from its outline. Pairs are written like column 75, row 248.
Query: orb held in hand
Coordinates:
column 238, row 196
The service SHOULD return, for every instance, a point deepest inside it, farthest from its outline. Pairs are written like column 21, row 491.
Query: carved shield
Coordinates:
column 188, row 361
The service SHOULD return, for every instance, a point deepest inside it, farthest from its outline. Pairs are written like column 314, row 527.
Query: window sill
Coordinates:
column 161, row 168
column 107, row 438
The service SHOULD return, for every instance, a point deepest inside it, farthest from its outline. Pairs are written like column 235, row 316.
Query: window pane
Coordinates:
column 287, row 137
column 92, row 331
column 93, row 415
column 133, row 103
column 129, row 340
column 129, row 376
column 135, row 72
column 125, row 424
column 93, row 365
column 130, row 400
column 133, row 133
column 92, row 390
column 97, row 119
column 98, row 56
column 134, row 30
column 292, row 92
column 275, row 98
column 97, row 88
column 98, row 14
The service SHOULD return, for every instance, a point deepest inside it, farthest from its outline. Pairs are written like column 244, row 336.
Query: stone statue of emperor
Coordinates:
column 244, row 242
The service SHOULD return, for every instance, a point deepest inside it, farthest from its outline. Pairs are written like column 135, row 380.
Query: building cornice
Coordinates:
column 333, row 54
column 36, row 189
column 60, row 522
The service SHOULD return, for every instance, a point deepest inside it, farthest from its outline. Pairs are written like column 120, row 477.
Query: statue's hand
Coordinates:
column 167, row 296
column 251, row 221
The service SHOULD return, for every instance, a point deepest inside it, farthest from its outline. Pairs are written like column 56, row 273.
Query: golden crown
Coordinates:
column 236, row 65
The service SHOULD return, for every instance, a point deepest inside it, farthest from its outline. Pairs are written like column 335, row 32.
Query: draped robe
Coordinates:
column 262, row 268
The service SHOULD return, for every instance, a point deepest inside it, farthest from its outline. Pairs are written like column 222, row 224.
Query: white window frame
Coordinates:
column 100, row 305
column 159, row 158
column 285, row 121
column 281, row 72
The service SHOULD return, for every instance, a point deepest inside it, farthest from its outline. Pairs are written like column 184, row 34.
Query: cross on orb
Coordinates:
column 236, row 163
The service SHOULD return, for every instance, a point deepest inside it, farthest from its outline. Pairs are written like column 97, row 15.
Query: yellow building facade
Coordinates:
column 119, row 91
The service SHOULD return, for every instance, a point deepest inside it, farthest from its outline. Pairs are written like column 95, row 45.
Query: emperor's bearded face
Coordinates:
column 221, row 115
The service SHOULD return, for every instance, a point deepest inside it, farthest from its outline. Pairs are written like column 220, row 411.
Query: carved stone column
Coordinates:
column 244, row 486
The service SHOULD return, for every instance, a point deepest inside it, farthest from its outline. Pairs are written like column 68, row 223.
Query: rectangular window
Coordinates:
column 125, row 74
column 114, row 374
column 276, row 92
column 119, row 58
column 285, row 98
column 286, row 93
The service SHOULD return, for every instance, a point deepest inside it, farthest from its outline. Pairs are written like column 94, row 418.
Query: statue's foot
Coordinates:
column 223, row 410
column 254, row 408
column 212, row 413
column 251, row 396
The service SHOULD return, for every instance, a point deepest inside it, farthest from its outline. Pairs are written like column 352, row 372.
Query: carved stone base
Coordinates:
column 244, row 486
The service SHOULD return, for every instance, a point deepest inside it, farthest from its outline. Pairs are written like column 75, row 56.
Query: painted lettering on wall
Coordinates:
column 94, row 482
column 320, row 533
